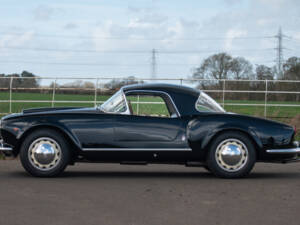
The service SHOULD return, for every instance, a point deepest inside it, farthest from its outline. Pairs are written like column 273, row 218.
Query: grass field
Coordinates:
column 283, row 114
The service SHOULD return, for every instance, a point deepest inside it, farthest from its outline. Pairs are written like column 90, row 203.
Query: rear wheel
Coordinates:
column 231, row 155
column 44, row 153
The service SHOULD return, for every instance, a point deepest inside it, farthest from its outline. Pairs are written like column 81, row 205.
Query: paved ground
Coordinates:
column 156, row 194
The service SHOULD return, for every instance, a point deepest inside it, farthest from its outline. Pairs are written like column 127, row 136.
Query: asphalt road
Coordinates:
column 154, row 194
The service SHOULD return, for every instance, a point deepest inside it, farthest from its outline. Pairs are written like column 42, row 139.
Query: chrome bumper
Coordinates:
column 295, row 150
column 7, row 150
column 284, row 151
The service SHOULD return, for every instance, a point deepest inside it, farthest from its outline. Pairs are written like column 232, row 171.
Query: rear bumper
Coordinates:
column 294, row 150
column 7, row 150
column 284, row 151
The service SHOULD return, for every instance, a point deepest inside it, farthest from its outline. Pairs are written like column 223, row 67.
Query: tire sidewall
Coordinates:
column 65, row 157
column 212, row 161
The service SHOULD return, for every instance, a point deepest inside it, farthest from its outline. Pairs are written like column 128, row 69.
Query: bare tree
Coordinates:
column 291, row 69
column 264, row 72
column 214, row 67
column 241, row 68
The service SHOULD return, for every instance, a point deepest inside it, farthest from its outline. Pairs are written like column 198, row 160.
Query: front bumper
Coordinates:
column 7, row 150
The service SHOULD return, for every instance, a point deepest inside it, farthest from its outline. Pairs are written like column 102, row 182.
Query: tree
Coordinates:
column 241, row 68
column 224, row 66
column 291, row 69
column 264, row 72
column 21, row 80
column 29, row 80
column 115, row 84
column 214, row 67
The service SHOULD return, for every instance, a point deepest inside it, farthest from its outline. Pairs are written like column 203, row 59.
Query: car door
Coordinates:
column 93, row 130
column 151, row 125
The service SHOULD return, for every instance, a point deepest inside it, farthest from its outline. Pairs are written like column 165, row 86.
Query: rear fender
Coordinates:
column 250, row 132
column 203, row 132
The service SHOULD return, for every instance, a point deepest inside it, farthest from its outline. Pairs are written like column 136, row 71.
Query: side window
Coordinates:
column 148, row 105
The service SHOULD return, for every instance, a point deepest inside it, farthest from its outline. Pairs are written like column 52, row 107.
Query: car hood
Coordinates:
column 54, row 110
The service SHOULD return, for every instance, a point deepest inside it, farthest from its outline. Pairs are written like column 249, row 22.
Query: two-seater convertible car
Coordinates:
column 188, row 127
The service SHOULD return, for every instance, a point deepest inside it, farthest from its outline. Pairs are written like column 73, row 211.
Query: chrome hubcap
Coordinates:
column 44, row 153
column 231, row 155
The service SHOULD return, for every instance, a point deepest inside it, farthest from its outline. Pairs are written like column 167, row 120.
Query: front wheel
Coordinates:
column 44, row 153
column 231, row 155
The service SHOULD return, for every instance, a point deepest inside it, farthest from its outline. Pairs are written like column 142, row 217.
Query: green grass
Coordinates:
column 283, row 114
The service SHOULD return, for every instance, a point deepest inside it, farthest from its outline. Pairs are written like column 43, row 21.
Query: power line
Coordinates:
column 138, row 38
column 106, row 64
column 295, row 41
column 131, row 51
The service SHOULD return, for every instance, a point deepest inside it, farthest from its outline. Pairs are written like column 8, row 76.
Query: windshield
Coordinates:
column 115, row 104
column 207, row 104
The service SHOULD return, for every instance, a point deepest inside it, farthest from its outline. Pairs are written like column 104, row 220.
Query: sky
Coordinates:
column 115, row 38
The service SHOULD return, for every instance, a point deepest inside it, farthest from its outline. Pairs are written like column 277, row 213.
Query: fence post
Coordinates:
column 10, row 94
column 53, row 93
column 137, row 106
column 266, row 98
column 96, row 88
column 224, row 92
column 181, row 81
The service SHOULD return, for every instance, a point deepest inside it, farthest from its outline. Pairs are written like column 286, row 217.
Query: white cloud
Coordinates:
column 70, row 26
column 230, row 35
column 161, row 21
column 297, row 36
column 9, row 40
column 138, row 23
column 43, row 13
column 264, row 21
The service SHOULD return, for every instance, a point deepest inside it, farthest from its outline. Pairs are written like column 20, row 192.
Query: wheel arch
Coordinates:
column 250, row 134
column 70, row 138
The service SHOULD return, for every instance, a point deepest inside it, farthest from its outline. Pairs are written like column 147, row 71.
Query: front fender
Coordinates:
column 56, row 126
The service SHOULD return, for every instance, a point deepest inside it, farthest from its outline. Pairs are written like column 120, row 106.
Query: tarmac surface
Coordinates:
column 113, row 194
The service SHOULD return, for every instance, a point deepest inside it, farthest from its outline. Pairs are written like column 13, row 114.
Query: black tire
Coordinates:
column 219, row 168
column 64, row 154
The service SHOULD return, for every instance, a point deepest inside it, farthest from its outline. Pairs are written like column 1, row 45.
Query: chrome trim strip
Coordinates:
column 283, row 151
column 4, row 148
column 163, row 92
column 127, row 112
column 137, row 149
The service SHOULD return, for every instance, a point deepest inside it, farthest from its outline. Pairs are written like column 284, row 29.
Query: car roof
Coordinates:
column 183, row 97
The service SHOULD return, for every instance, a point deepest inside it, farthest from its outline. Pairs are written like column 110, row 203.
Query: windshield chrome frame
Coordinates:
column 219, row 106
column 127, row 112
